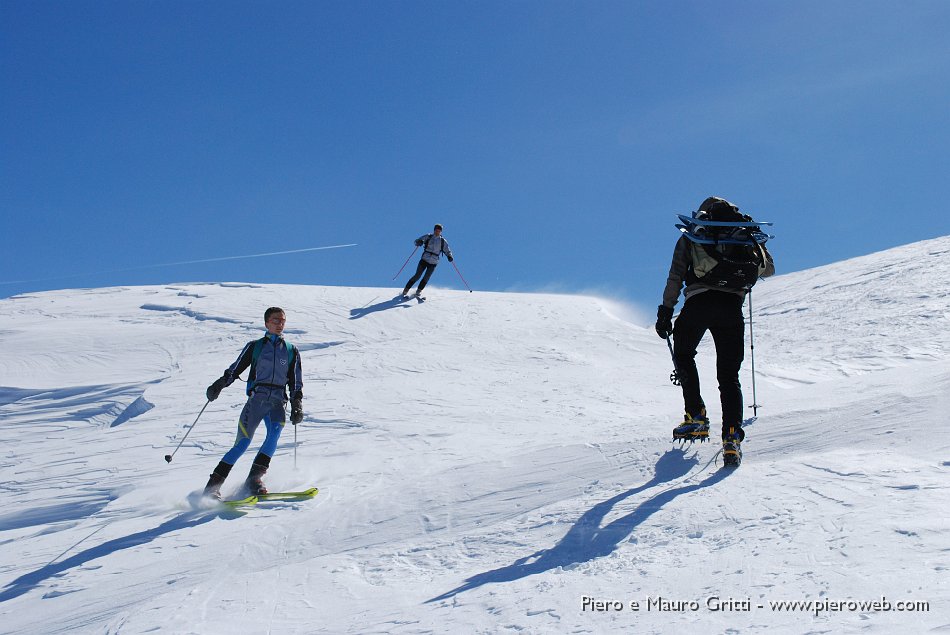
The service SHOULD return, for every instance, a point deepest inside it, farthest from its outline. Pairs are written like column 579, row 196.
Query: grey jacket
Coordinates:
column 435, row 246
column 683, row 261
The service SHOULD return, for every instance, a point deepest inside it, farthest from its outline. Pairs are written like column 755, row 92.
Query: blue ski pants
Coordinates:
column 264, row 404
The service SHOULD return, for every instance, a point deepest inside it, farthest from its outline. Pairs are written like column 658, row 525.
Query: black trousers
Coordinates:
column 426, row 267
column 720, row 313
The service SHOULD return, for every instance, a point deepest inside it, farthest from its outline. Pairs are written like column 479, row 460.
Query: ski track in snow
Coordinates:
column 485, row 461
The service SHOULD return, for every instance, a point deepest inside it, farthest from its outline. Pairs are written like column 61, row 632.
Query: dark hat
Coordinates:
column 437, row 226
column 715, row 208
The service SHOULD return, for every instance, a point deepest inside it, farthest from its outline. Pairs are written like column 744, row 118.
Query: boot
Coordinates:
column 732, row 437
column 254, row 485
column 693, row 428
column 213, row 488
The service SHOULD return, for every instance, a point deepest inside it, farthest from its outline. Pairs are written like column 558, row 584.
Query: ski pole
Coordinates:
column 295, row 445
column 461, row 276
column 755, row 403
column 169, row 457
column 407, row 262
column 675, row 375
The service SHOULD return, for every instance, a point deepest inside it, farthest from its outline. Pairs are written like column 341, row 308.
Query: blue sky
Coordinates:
column 554, row 140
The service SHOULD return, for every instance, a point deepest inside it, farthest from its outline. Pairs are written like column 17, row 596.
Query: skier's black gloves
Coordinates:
column 296, row 410
column 451, row 259
column 664, row 321
column 418, row 243
column 215, row 389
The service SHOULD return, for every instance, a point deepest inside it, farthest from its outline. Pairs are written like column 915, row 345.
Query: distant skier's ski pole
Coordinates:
column 407, row 262
column 755, row 403
column 675, row 375
column 461, row 276
column 169, row 457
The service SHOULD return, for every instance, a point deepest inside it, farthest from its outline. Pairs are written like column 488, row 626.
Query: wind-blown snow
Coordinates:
column 485, row 461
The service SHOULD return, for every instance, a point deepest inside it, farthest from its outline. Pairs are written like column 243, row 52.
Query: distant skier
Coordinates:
column 434, row 246
column 274, row 368
column 717, row 279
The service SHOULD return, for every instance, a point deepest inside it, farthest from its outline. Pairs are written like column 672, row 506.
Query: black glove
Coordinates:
column 664, row 321
column 215, row 389
column 451, row 259
column 296, row 410
column 418, row 243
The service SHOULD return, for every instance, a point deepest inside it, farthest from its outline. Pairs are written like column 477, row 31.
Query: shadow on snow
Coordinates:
column 29, row 581
column 380, row 306
column 587, row 540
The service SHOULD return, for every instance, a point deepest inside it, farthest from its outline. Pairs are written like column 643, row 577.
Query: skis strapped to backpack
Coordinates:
column 712, row 232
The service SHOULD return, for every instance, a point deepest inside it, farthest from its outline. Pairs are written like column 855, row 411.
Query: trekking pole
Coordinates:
column 755, row 404
column 407, row 262
column 460, row 276
column 169, row 457
column 675, row 375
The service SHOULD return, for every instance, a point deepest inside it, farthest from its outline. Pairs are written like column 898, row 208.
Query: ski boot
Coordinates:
column 213, row 488
column 693, row 428
column 732, row 446
column 254, row 485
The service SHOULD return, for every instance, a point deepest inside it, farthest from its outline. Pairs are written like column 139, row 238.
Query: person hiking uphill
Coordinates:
column 717, row 277
column 274, row 369
column 434, row 246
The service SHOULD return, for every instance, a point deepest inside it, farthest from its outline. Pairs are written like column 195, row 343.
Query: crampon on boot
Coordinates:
column 216, row 479
column 253, row 484
column 693, row 428
column 732, row 446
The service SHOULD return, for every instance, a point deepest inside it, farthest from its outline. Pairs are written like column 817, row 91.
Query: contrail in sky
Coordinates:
column 183, row 262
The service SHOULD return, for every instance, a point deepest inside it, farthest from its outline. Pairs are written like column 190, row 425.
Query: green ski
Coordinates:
column 270, row 496
column 250, row 500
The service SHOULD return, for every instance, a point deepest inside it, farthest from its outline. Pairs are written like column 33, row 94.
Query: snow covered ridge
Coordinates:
column 486, row 462
column 870, row 313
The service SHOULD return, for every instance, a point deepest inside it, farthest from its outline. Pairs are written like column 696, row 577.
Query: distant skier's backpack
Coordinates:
column 425, row 247
column 725, row 266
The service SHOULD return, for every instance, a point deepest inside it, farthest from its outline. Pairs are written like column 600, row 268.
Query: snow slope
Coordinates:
column 486, row 461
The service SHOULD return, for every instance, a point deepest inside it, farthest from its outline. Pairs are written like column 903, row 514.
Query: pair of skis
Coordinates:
column 692, row 226
column 271, row 496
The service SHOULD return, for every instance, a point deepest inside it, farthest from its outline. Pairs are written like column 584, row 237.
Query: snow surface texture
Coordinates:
column 485, row 462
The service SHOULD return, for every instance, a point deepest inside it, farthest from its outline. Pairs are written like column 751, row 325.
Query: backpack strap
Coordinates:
column 258, row 345
column 252, row 371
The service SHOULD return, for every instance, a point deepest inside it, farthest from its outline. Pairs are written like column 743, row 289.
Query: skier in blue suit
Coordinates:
column 274, row 369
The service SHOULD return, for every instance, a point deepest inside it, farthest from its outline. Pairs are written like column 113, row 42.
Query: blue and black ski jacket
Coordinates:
column 273, row 363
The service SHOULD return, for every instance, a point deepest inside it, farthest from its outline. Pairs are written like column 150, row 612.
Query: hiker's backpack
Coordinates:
column 727, row 265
